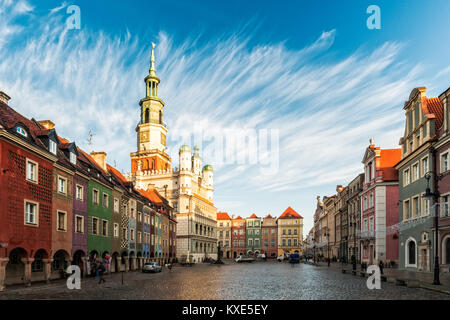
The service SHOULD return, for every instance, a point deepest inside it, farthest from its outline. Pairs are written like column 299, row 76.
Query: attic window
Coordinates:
column 73, row 158
column 21, row 131
column 52, row 146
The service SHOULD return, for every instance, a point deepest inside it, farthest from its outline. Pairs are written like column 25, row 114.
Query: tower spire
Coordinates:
column 152, row 70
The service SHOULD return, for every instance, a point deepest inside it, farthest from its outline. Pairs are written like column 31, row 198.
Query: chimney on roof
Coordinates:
column 4, row 97
column 47, row 124
column 100, row 158
column 339, row 188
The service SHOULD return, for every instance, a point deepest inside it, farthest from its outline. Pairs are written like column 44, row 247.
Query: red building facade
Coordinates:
column 269, row 237
column 238, row 232
column 26, row 170
column 379, row 205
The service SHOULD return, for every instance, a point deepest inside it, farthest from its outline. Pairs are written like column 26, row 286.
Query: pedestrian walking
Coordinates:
column 381, row 265
column 101, row 271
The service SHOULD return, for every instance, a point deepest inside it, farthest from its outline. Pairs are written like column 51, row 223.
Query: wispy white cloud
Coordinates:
column 324, row 109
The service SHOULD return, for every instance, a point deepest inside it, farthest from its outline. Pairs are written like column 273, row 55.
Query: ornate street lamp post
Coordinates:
column 327, row 234
column 435, row 196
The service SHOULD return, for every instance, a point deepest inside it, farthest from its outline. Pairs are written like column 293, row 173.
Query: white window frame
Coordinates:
column 36, row 214
column 96, row 229
column 36, row 171
column 441, row 162
column 415, row 214
column 116, row 205
column 407, row 253
column 52, row 146
column 103, row 200
column 116, row 230
column 95, row 200
column 405, row 217
column 64, row 184
column 64, row 229
column 77, row 187
column 422, row 166
column 73, row 158
column 407, row 176
column 413, row 176
column 82, row 224
column 107, row 227
column 22, row 131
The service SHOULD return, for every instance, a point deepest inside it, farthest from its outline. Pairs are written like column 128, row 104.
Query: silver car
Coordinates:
column 151, row 267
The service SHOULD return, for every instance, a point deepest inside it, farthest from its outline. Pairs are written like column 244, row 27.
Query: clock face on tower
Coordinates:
column 144, row 137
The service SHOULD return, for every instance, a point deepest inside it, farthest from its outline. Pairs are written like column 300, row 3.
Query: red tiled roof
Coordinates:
column 388, row 159
column 253, row 216
column 223, row 216
column 434, row 106
column 269, row 216
column 151, row 195
column 290, row 213
column 238, row 218
column 117, row 173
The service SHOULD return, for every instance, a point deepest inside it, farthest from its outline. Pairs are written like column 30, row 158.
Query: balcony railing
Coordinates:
column 365, row 234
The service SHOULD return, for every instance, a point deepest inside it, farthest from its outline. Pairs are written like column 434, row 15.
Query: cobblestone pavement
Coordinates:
column 259, row 280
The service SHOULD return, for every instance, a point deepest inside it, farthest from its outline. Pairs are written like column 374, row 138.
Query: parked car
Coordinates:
column 280, row 257
column 151, row 267
column 294, row 258
column 244, row 259
column 261, row 256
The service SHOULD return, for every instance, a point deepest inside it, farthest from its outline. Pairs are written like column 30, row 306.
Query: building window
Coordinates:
column 79, row 193
column 52, row 146
column 94, row 226
column 445, row 206
column 444, row 162
column 95, row 196
column 415, row 169
column 116, row 230
column 411, row 253
column 406, row 210
column 425, row 206
column 31, row 213
column 116, row 205
column 289, row 242
column 61, row 223
column 139, row 237
column 62, row 182
column 125, row 233
column 284, row 242
column 295, row 231
column 132, row 235
column 105, row 200
column 32, row 171
column 284, row 232
column 407, row 175
column 79, row 224
column 139, row 216
column 21, row 131
column 415, row 208
column 73, row 158
column 424, row 166
column 295, row 242
column 104, row 228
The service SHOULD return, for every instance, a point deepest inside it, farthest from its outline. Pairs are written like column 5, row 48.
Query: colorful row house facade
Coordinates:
column 269, row 237
column 253, row 235
column 224, row 234
column 63, row 206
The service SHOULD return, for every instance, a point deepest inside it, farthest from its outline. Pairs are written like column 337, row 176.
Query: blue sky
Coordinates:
column 310, row 70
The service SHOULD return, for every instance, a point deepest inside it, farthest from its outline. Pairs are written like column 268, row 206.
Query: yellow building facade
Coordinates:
column 290, row 232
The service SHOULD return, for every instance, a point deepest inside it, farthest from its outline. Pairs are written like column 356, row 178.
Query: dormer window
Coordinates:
column 21, row 131
column 52, row 146
column 73, row 158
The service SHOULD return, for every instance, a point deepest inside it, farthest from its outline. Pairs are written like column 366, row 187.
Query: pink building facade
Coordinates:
column 379, row 206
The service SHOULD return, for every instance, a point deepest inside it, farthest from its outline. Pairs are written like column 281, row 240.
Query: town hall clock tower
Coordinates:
column 151, row 130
